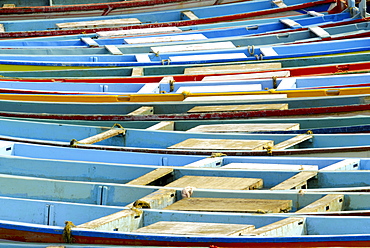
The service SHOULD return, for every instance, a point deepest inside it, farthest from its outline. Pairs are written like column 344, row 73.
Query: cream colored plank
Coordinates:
column 206, row 182
column 292, row 142
column 327, row 203
column 142, row 58
column 222, row 144
column 163, row 125
column 319, row 32
column 293, row 226
column 149, row 88
column 201, row 57
column 8, row 5
column 233, row 98
column 244, row 128
column 231, row 205
column 152, row 176
column 98, row 23
column 287, row 83
column 113, row 50
column 195, row 228
column 169, row 38
column 248, row 76
column 231, row 68
column 290, row 23
column 138, row 31
column 189, row 14
column 193, row 47
column 144, row 110
column 298, row 181
column 2, row 28
column 102, row 136
column 268, row 51
column 137, row 71
column 220, row 88
column 230, row 108
column 90, row 42
column 279, row 3
column 259, row 166
column 345, row 164
column 158, row 199
column 314, row 13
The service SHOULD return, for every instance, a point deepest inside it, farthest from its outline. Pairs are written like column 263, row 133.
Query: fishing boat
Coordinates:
column 176, row 142
column 336, row 26
column 62, row 9
column 182, row 17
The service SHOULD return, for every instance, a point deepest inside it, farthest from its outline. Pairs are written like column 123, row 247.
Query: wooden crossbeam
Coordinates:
column 196, row 228
column 328, row 203
column 144, row 110
column 113, row 50
column 319, row 32
column 90, row 42
column 8, row 5
column 298, row 181
column 232, row 108
column 163, row 125
column 193, row 47
column 2, row 28
column 293, row 226
column 244, row 128
column 279, row 3
column 293, row 141
column 290, row 23
column 152, row 177
column 137, row 71
column 157, row 200
column 189, row 14
column 101, row 136
column 231, row 205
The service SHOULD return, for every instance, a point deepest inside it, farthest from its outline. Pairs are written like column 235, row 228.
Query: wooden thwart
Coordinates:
column 98, row 23
column 195, row 228
column 193, row 47
column 102, row 136
column 298, row 181
column 319, row 32
column 290, row 23
column 293, row 141
column 163, row 125
column 113, row 49
column 137, row 71
column 90, row 42
column 206, row 182
column 8, row 5
column 327, row 203
column 244, row 128
column 222, row 144
column 189, row 14
column 231, row 68
column 152, row 176
column 293, row 226
column 144, row 110
column 232, row 108
column 231, row 205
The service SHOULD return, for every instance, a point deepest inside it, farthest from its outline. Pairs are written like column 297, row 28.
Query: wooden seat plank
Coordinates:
column 158, row 199
column 290, row 23
column 231, row 205
column 292, row 142
column 8, row 5
column 113, row 50
column 137, row 71
column 268, row 51
column 298, row 181
column 152, row 176
column 221, row 144
column 163, row 125
column 169, row 38
column 319, row 32
column 2, row 28
column 99, row 23
column 142, row 58
column 260, row 166
column 206, row 182
column 314, row 13
column 244, row 128
column 287, row 83
column 90, row 42
column 279, row 3
column 234, row 97
column 102, row 136
column 232, row 108
column 144, row 110
column 328, row 203
column 248, row 76
column 196, row 228
column 193, row 47
column 220, row 88
column 138, row 31
column 231, row 68
column 293, row 226
column 207, row 57
column 189, row 14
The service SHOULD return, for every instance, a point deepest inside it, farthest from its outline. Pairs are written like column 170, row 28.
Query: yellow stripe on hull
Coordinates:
column 179, row 96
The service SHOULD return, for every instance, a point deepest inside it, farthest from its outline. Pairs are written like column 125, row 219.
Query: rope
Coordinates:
column 217, row 154
column 268, row 149
column 67, row 232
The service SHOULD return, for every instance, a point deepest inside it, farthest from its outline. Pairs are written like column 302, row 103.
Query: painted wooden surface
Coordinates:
column 236, row 128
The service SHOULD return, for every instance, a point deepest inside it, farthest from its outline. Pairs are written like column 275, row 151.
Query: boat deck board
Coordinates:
column 243, row 128
column 231, row 68
column 230, row 108
column 231, row 205
column 298, row 181
column 99, row 23
column 206, row 182
column 152, row 176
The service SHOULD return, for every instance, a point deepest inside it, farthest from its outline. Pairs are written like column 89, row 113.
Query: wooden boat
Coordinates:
column 210, row 84
column 243, row 144
column 62, row 9
column 335, row 26
column 199, row 15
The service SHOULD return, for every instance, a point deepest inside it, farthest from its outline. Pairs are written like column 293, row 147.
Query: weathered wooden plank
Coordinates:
column 144, row 110
column 290, row 23
column 196, row 228
column 231, row 68
column 189, row 14
column 113, row 49
column 222, row 144
column 232, row 108
column 244, row 128
column 264, row 166
column 158, row 199
column 319, row 32
column 345, row 164
column 193, row 47
column 90, row 42
column 98, row 23
column 293, row 226
column 2, row 28
column 314, row 13
column 169, row 38
column 298, row 181
column 231, row 205
column 102, row 136
column 137, row 71
column 279, row 3
column 163, row 125
column 234, row 97
column 292, row 142
column 248, row 76
column 8, row 5
column 151, row 177
column 220, row 88
column 206, row 182
column 328, row 203
column 138, row 31
column 207, row 57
